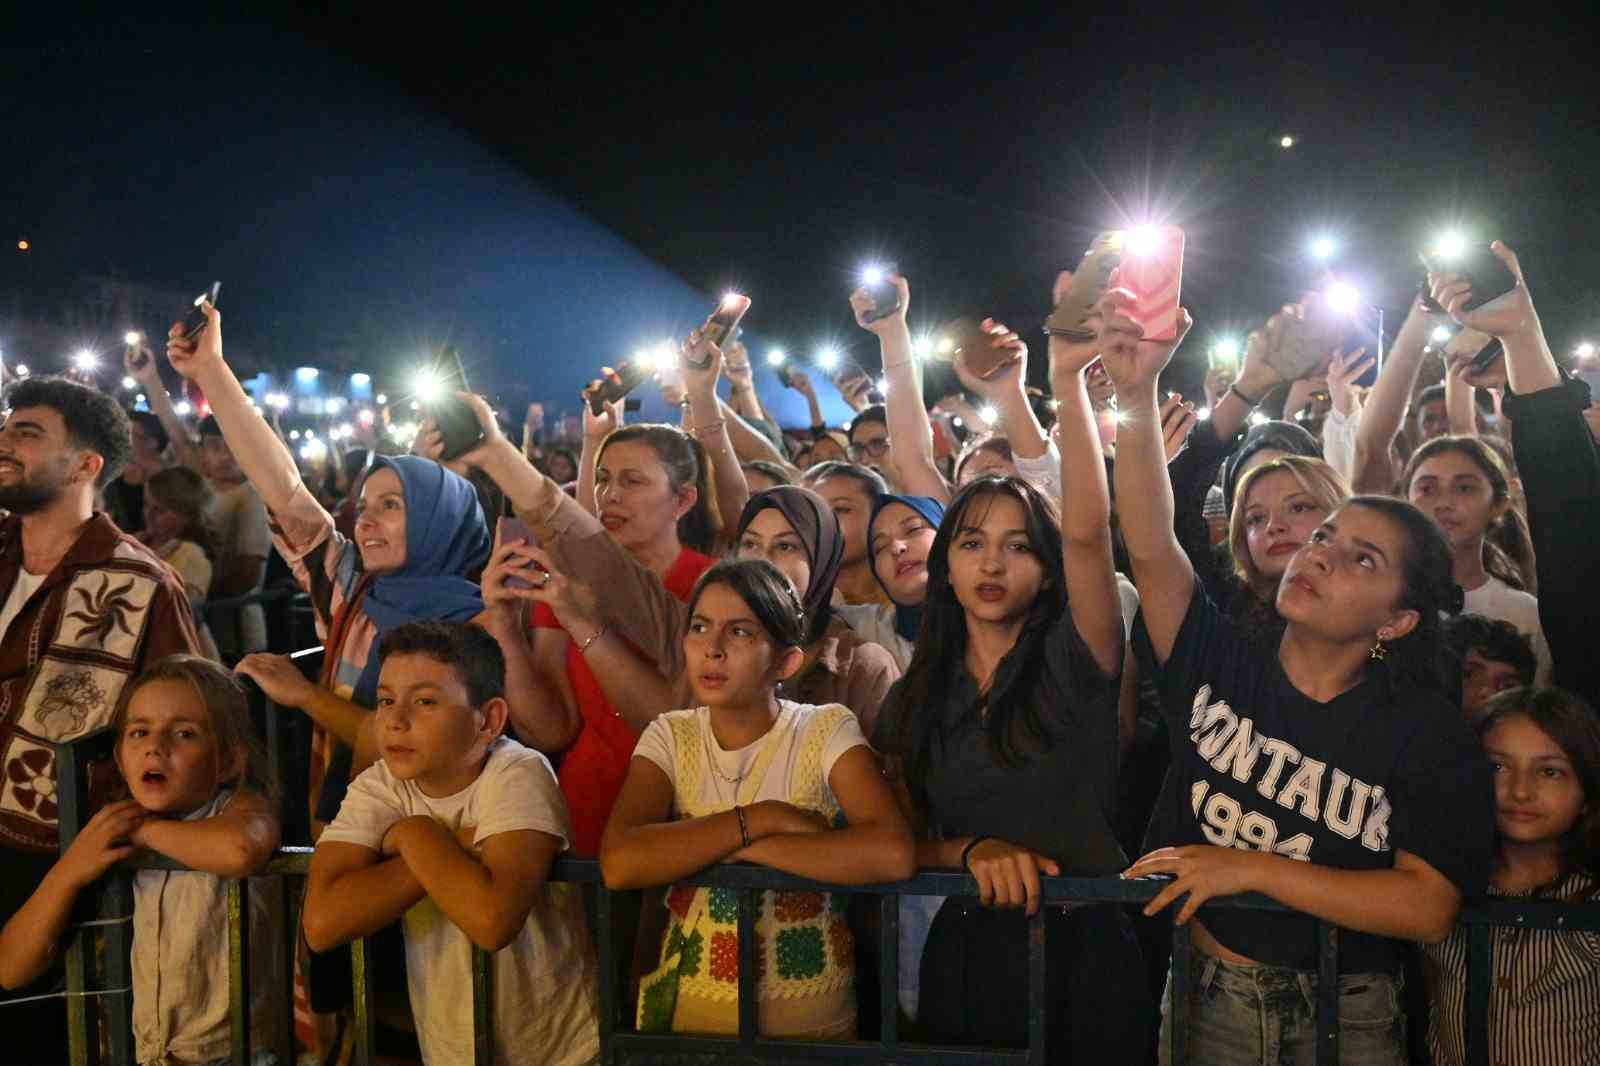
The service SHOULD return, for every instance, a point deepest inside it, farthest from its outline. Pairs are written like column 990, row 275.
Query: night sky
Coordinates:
column 370, row 185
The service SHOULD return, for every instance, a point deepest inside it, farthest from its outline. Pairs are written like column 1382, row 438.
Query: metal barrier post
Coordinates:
column 361, row 986
column 889, row 975
column 482, row 1008
column 1327, row 994
column 1038, row 1006
column 749, row 1015
column 1480, row 964
column 605, row 953
column 239, row 969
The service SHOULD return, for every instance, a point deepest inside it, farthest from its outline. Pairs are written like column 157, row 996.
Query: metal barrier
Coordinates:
column 618, row 1043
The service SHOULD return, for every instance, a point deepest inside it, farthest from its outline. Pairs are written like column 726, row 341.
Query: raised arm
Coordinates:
column 1385, row 408
column 702, row 368
column 1459, row 402
column 750, row 443
column 543, row 713
column 1006, row 391
column 910, row 432
column 148, row 375
column 596, row 428
column 1161, row 570
column 1092, row 595
column 265, row 460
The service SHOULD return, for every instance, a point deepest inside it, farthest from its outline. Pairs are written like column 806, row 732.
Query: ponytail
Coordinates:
column 1508, row 552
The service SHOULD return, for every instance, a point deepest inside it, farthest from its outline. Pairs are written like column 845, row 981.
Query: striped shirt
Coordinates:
column 1544, row 1000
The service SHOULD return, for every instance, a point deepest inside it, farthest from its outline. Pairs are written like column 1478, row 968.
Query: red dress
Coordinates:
column 593, row 768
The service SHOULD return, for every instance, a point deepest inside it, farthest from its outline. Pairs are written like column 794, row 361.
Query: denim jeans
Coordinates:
column 1267, row 1015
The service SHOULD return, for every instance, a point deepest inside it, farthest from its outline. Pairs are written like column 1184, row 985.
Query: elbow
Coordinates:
column 616, row 870
column 498, row 931
column 241, row 859
column 1437, row 925
column 897, row 856
column 319, row 931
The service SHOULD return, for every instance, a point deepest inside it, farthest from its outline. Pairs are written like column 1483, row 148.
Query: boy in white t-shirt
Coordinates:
column 454, row 830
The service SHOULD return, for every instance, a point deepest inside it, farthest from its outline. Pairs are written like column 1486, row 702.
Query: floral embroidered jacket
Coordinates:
column 108, row 608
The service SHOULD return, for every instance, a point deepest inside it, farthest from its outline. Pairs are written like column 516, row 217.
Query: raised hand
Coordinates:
column 510, row 559
column 1009, row 376
column 597, row 427
column 1506, row 315
column 862, row 303
column 736, row 365
column 193, row 358
column 701, row 363
column 1069, row 357
column 1177, row 421
column 1344, row 369
column 430, row 443
column 278, row 677
column 1133, row 362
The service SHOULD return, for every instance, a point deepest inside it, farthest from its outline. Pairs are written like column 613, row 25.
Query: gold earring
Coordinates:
column 1379, row 650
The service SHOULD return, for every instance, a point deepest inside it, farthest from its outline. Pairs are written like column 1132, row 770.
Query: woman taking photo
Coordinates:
column 1328, row 770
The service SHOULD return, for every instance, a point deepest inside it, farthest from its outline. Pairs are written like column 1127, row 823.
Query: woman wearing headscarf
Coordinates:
column 420, row 543
column 899, row 536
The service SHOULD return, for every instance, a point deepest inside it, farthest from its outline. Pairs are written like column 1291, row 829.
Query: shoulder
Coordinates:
column 507, row 756
column 821, row 718
column 686, row 570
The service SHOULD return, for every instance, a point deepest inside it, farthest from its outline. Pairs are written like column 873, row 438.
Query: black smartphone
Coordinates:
column 1480, row 267
column 628, row 376
column 196, row 319
column 631, row 405
column 884, row 292
column 458, row 425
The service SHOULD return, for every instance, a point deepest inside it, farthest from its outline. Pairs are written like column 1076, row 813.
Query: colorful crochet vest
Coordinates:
column 805, row 947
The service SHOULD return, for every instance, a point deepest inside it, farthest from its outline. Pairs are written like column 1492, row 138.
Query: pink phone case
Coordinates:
column 1156, row 279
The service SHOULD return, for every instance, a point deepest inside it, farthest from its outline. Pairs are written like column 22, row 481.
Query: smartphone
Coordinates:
column 1489, row 277
column 1152, row 269
column 885, row 295
column 196, row 320
column 723, row 323
column 137, row 358
column 1480, row 349
column 971, row 344
column 1089, row 283
column 510, row 529
column 1309, row 338
column 629, row 375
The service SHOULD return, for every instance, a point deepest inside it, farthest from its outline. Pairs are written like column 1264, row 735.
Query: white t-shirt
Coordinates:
column 242, row 531
column 20, row 592
column 1496, row 599
column 544, row 981
column 717, row 787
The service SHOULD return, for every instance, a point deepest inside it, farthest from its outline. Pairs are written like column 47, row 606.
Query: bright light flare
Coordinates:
column 1440, row 334
column 1203, row 414
column 1227, row 349
column 828, row 359
column 776, row 357
column 872, row 275
column 731, row 299
column 1258, row 419
column 132, row 337
column 86, row 360
column 183, row 408
column 305, row 375
column 923, row 348
column 313, row 451
column 277, row 401
column 22, row 370
column 365, row 416
column 1450, row 246
column 129, row 384
column 1286, row 141
column 989, row 415
column 1323, row 248
column 1142, row 240
column 1584, row 350
column 1343, row 297
column 427, row 385
column 382, row 398
column 944, row 346
column 360, row 380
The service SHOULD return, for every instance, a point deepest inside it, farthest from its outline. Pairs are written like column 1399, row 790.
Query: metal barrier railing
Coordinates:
column 618, row 1043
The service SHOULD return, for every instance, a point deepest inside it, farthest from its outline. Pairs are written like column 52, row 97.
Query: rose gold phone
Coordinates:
column 1152, row 269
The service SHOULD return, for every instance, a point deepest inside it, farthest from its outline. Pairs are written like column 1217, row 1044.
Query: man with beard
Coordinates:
column 83, row 608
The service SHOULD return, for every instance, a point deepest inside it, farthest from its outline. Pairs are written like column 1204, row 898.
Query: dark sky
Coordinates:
column 323, row 164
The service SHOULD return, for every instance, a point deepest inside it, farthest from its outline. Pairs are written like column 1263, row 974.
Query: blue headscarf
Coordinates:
column 907, row 618
column 446, row 539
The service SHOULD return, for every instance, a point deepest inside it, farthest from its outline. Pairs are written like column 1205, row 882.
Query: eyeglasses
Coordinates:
column 877, row 448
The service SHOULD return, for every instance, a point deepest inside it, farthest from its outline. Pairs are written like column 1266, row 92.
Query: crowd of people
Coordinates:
column 1339, row 657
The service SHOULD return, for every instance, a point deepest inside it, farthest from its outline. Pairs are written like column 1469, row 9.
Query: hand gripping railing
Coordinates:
column 618, row 1043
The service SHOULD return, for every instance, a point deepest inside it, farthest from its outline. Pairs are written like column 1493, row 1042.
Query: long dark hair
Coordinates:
column 686, row 464
column 1427, row 585
column 1026, row 693
column 1574, row 726
column 1511, row 565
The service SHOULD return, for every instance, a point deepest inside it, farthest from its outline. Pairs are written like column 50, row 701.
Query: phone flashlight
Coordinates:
column 132, row 337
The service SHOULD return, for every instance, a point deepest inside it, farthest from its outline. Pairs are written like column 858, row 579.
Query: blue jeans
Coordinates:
column 1267, row 1015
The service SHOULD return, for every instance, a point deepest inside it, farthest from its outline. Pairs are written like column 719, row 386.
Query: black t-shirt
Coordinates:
column 1061, row 801
column 1342, row 783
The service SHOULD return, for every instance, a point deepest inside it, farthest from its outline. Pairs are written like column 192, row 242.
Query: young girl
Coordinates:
column 1276, row 507
column 199, row 794
column 749, row 776
column 1328, row 770
column 1462, row 485
column 1003, row 735
column 1544, row 1009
